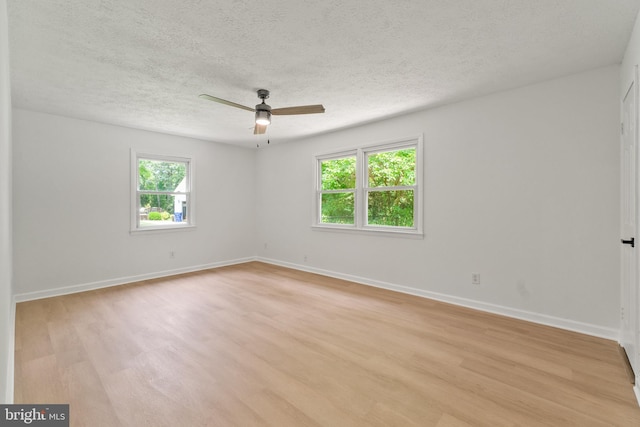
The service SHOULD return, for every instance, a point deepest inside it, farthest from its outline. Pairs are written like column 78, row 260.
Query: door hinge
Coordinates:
column 622, row 128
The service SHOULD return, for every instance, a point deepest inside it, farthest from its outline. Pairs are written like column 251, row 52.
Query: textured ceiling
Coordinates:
column 143, row 63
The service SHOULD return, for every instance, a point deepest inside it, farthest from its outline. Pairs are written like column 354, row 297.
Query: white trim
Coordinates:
column 543, row 319
column 634, row 356
column 636, row 389
column 317, row 192
column 408, row 233
column 336, row 155
column 162, row 229
column 416, row 188
column 382, row 145
column 558, row 322
column 11, row 356
column 66, row 290
column 585, row 328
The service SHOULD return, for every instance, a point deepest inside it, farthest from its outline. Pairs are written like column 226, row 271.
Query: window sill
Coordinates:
column 371, row 231
column 162, row 229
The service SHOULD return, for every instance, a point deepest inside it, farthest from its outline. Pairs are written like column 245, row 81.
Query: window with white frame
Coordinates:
column 337, row 192
column 162, row 192
column 373, row 188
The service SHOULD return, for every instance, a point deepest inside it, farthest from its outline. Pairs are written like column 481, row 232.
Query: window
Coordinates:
column 391, row 187
column 338, row 190
column 162, row 192
column 374, row 188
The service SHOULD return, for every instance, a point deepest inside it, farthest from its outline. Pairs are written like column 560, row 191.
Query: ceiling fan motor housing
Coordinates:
column 263, row 107
column 263, row 94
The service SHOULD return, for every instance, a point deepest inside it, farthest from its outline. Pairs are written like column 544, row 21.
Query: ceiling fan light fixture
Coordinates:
column 263, row 117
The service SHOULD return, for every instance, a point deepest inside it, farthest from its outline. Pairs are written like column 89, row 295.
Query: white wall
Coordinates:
column 72, row 196
column 6, row 292
column 521, row 187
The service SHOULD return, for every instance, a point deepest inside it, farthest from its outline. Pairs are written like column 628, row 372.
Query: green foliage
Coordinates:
column 155, row 216
column 391, row 169
column 338, row 208
column 338, row 174
column 165, row 215
column 392, row 207
column 158, row 175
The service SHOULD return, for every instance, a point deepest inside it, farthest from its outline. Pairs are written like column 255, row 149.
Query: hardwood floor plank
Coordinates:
column 87, row 395
column 41, row 381
column 261, row 345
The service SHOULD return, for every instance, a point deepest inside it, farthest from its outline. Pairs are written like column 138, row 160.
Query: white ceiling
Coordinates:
column 143, row 63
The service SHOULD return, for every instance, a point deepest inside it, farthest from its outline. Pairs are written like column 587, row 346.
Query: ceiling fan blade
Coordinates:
column 259, row 129
column 225, row 102
column 303, row 109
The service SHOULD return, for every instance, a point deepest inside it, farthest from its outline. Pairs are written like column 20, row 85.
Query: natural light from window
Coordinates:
column 374, row 188
column 162, row 192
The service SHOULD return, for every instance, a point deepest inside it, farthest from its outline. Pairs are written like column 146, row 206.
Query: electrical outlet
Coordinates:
column 305, row 258
column 172, row 254
column 475, row 278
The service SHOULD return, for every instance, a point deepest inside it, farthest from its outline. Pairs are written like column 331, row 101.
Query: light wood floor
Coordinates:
column 259, row 345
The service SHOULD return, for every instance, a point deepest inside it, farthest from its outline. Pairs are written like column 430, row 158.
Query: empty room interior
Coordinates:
column 282, row 213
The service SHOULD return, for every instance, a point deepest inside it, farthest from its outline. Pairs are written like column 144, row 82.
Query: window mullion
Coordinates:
column 389, row 214
column 392, row 188
column 318, row 184
column 361, row 182
column 346, row 190
column 163, row 193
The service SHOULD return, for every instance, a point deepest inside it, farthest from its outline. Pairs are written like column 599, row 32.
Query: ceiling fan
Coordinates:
column 263, row 111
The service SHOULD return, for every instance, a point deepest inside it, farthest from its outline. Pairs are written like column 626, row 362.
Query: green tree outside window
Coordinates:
column 389, row 201
column 338, row 182
column 159, row 176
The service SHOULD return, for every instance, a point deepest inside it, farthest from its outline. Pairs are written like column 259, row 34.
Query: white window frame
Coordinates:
column 135, row 192
column 319, row 192
column 362, row 189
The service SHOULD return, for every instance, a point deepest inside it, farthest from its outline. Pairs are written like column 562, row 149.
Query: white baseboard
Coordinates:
column 571, row 325
column 30, row 296
column 585, row 328
column 544, row 319
column 567, row 324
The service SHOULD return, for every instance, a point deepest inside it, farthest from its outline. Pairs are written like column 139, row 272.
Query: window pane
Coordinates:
column 338, row 174
column 392, row 168
column 158, row 175
column 338, row 208
column 392, row 208
column 163, row 209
